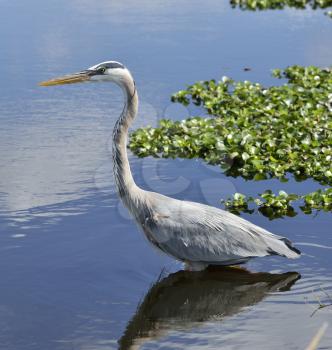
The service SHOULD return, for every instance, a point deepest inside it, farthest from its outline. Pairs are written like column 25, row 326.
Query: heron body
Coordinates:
column 196, row 234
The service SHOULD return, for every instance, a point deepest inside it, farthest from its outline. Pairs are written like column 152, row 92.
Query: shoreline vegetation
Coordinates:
column 257, row 133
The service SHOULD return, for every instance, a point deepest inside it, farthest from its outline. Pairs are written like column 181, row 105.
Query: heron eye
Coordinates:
column 102, row 70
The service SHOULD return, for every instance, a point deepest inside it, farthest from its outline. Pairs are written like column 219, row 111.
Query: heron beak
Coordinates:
column 80, row 77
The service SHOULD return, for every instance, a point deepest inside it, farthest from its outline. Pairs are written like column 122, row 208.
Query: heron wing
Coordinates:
column 197, row 232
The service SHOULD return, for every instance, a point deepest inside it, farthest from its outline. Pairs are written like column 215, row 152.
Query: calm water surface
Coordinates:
column 76, row 273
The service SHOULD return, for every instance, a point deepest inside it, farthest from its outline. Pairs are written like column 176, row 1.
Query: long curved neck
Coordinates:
column 124, row 181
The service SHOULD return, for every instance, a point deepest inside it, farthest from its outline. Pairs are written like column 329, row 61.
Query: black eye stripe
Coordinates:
column 102, row 68
column 113, row 65
column 94, row 72
column 97, row 71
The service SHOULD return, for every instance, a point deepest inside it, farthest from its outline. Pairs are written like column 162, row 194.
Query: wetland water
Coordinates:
column 76, row 273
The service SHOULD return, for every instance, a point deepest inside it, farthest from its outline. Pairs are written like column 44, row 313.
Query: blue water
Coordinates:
column 74, row 267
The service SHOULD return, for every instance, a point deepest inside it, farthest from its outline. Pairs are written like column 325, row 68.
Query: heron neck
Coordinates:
column 123, row 177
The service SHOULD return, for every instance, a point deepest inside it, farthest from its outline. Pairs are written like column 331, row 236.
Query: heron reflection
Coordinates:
column 185, row 299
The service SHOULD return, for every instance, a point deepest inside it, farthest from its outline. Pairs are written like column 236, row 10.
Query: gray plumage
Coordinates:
column 197, row 234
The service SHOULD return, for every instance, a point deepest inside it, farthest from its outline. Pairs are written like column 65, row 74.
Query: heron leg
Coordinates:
column 195, row 266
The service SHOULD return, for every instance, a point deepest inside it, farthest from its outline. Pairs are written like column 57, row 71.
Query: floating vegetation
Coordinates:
column 279, row 205
column 254, row 5
column 255, row 132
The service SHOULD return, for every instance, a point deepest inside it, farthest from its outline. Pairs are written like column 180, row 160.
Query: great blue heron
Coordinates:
column 196, row 234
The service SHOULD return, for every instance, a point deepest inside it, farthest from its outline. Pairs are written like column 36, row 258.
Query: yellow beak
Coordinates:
column 68, row 79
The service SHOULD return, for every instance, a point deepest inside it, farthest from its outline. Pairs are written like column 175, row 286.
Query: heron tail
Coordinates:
column 290, row 246
column 284, row 247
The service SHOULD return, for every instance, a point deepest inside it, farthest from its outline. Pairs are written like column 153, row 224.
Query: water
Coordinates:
column 74, row 267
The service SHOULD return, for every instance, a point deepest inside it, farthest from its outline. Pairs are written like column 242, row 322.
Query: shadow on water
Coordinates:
column 187, row 299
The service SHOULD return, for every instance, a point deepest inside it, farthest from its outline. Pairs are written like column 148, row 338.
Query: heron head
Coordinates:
column 102, row 72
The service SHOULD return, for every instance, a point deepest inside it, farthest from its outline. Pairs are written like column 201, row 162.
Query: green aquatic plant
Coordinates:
column 238, row 203
column 320, row 200
column 254, row 5
column 280, row 4
column 279, row 205
column 256, row 132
